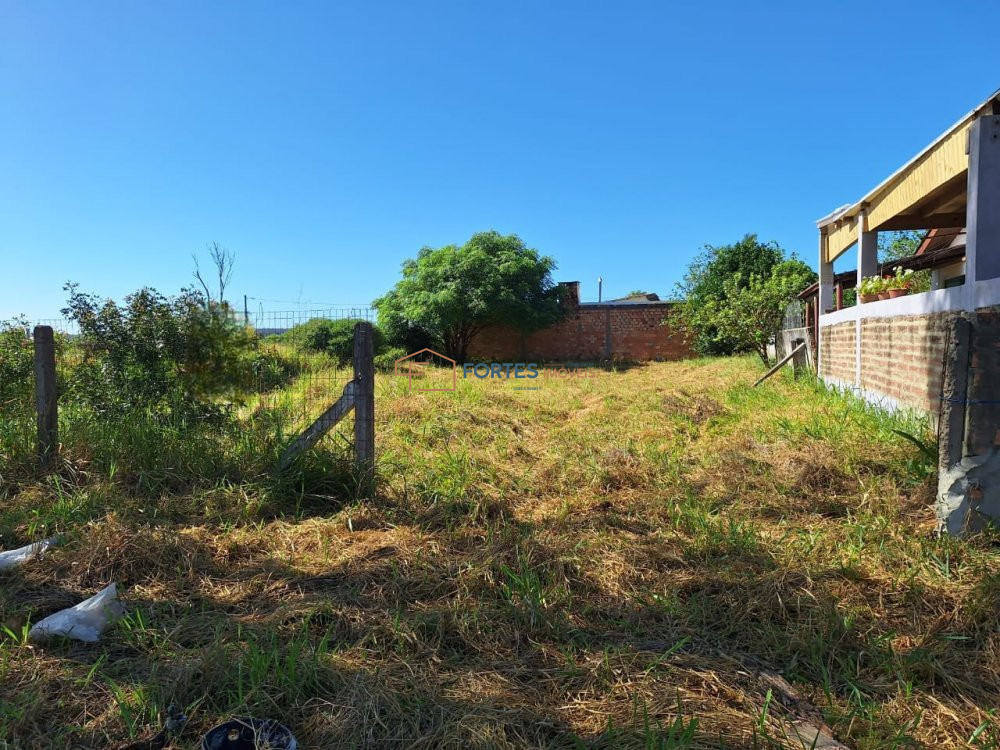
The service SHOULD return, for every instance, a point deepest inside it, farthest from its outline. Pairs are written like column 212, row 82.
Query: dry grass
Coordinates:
column 614, row 561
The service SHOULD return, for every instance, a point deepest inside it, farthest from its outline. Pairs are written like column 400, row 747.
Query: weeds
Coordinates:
column 585, row 565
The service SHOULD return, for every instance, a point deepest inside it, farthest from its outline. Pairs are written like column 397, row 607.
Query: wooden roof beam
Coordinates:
column 921, row 221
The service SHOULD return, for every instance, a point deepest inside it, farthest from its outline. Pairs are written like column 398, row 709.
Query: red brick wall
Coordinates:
column 590, row 332
column 836, row 355
column 903, row 358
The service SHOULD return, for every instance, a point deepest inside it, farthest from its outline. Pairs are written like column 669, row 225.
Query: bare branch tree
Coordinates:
column 197, row 275
column 223, row 259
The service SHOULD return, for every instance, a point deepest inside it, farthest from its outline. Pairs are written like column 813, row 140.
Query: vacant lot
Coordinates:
column 619, row 560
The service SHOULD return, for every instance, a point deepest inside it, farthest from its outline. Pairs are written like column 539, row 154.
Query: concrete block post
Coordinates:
column 969, row 475
column 969, row 443
column 799, row 361
column 45, row 393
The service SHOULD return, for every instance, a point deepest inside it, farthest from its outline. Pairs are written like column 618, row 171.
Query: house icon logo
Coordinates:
column 415, row 364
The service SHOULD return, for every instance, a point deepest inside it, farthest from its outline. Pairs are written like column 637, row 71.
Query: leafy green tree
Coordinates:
column 715, row 275
column 900, row 244
column 752, row 309
column 896, row 245
column 451, row 293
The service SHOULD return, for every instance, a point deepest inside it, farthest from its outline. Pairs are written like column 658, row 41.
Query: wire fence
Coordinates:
column 306, row 361
column 302, row 360
column 59, row 325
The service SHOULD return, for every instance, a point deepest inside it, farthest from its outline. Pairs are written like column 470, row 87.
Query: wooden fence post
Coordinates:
column 45, row 393
column 364, row 403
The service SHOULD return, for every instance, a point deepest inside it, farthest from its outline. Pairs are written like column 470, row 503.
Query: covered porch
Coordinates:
column 951, row 187
column 936, row 351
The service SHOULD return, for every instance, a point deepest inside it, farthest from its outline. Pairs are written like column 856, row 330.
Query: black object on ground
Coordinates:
column 249, row 734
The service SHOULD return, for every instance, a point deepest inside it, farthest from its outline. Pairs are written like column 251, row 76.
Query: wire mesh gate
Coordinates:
column 315, row 356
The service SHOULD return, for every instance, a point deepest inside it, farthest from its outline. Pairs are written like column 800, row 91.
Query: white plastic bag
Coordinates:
column 84, row 622
column 14, row 557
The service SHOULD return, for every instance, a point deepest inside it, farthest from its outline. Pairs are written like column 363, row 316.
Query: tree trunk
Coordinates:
column 762, row 353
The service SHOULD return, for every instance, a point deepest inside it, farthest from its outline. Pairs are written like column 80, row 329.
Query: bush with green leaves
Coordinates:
column 16, row 363
column 386, row 361
column 332, row 337
column 405, row 335
column 170, row 356
column 734, row 295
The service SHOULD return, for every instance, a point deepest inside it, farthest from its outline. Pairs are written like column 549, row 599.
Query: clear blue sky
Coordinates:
column 326, row 142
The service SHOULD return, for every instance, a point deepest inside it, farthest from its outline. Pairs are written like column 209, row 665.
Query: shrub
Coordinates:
column 386, row 361
column 269, row 370
column 402, row 334
column 332, row 337
column 16, row 363
column 168, row 356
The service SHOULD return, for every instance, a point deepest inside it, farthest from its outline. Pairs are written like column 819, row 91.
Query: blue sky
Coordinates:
column 326, row 142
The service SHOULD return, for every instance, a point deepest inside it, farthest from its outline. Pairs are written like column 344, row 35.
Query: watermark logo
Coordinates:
column 432, row 368
column 416, row 364
column 500, row 370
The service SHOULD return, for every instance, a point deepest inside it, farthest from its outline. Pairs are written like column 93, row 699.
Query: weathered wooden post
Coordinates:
column 45, row 393
column 364, row 403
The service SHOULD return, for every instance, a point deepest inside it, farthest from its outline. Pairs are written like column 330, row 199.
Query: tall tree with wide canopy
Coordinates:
column 731, row 292
column 453, row 292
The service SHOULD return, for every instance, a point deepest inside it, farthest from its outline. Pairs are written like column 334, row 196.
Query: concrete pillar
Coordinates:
column 867, row 266
column 45, row 393
column 824, row 298
column 867, row 253
column 364, row 405
column 969, row 442
column 982, row 246
column 825, row 278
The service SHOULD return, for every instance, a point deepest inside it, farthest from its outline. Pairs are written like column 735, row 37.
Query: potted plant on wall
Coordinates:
column 868, row 289
column 883, row 288
column 901, row 284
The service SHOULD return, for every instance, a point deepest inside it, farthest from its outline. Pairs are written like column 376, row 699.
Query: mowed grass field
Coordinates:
column 622, row 560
